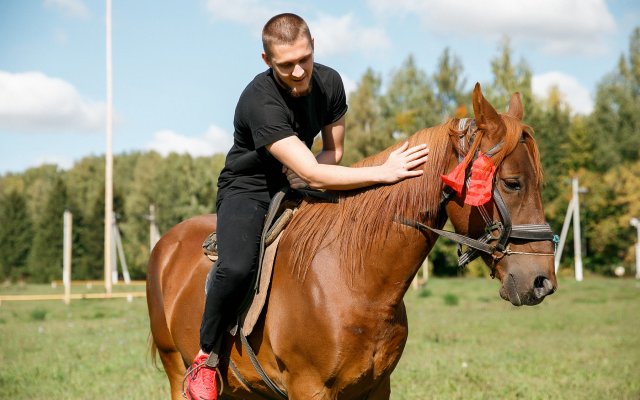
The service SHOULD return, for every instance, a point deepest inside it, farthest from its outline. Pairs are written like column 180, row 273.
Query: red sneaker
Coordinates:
column 201, row 380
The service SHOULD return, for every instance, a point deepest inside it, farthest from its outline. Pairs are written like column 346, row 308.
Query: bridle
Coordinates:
column 505, row 229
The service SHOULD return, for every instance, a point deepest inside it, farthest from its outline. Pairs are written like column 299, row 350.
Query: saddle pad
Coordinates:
column 250, row 317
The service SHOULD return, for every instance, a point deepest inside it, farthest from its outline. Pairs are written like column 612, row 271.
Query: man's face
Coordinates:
column 292, row 65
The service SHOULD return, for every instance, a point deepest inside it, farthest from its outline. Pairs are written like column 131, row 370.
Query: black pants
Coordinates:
column 240, row 221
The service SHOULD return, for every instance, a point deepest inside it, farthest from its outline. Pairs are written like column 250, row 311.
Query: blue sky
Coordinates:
column 179, row 66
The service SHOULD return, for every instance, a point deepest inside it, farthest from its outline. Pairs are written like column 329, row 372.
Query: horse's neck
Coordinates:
column 391, row 268
column 379, row 262
column 359, row 238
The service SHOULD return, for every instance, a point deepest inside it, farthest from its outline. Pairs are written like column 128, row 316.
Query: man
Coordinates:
column 276, row 119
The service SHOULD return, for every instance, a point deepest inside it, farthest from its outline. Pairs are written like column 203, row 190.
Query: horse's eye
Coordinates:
column 512, row 184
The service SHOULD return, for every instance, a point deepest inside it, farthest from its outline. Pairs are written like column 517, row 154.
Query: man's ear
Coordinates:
column 266, row 60
column 312, row 44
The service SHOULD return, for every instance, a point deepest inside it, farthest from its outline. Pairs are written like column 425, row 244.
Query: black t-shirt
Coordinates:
column 265, row 114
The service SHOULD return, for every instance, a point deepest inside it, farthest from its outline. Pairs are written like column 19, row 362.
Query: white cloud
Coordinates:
column 61, row 161
column 333, row 34
column 556, row 26
column 247, row 12
column 214, row 140
column 72, row 8
column 576, row 95
column 34, row 102
column 349, row 84
column 343, row 35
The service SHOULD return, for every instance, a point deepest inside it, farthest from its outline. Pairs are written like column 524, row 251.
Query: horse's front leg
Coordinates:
column 307, row 388
column 382, row 391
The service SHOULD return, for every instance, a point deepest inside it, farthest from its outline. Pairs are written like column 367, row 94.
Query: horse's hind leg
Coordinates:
column 163, row 341
column 175, row 370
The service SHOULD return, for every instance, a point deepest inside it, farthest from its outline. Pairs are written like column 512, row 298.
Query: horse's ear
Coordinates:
column 486, row 115
column 515, row 106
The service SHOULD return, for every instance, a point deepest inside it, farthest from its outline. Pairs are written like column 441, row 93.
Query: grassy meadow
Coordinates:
column 464, row 343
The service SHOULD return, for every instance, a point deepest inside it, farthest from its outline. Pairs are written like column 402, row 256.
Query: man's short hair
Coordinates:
column 283, row 29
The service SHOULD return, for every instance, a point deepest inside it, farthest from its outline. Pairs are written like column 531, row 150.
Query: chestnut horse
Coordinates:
column 334, row 325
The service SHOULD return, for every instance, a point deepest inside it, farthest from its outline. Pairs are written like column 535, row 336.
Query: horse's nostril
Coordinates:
column 539, row 282
column 542, row 287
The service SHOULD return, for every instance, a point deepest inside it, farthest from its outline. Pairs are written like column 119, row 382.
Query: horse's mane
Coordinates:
column 363, row 218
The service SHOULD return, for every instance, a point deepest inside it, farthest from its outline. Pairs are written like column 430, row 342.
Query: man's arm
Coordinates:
column 331, row 153
column 294, row 155
column 332, row 143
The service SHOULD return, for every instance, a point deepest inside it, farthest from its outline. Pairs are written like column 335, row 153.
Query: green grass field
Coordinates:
column 464, row 343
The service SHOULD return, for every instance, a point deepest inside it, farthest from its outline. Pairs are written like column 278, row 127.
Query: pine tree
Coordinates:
column 409, row 104
column 15, row 235
column 509, row 78
column 45, row 258
column 615, row 121
column 451, row 97
column 578, row 150
column 552, row 122
column 365, row 134
column 88, row 250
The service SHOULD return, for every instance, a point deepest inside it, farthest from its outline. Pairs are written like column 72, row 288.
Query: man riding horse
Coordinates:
column 276, row 120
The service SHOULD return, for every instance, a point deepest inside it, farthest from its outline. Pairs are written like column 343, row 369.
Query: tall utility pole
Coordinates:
column 636, row 224
column 108, row 178
column 66, row 255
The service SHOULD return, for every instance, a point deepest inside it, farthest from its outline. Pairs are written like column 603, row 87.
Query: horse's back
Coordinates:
column 176, row 273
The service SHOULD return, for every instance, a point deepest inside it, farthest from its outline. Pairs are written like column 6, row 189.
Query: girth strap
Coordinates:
column 236, row 372
column 258, row 367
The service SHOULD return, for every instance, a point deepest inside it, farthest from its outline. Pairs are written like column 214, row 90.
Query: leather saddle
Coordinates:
column 281, row 210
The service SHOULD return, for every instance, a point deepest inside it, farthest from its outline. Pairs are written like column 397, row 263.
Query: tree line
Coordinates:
column 602, row 149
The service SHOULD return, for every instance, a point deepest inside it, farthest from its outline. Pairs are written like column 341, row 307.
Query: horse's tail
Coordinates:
column 153, row 351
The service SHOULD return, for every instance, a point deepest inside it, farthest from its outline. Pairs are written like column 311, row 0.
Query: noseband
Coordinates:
column 505, row 229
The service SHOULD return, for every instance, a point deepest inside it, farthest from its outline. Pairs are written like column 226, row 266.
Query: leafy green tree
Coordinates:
column 38, row 183
column 615, row 121
column 612, row 200
column 85, row 184
column 451, row 97
column 15, row 235
column 552, row 123
column 578, row 151
column 88, row 249
column 45, row 258
column 174, row 191
column 141, row 193
column 509, row 78
column 12, row 182
column 365, row 134
column 206, row 173
column 409, row 103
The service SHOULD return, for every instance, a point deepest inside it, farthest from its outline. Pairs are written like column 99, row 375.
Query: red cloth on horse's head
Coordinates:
column 455, row 179
column 481, row 183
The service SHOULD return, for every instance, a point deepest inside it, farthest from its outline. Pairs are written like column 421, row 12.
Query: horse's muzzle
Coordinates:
column 529, row 295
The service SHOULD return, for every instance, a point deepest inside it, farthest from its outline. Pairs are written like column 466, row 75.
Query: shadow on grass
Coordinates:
column 39, row 314
column 451, row 299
